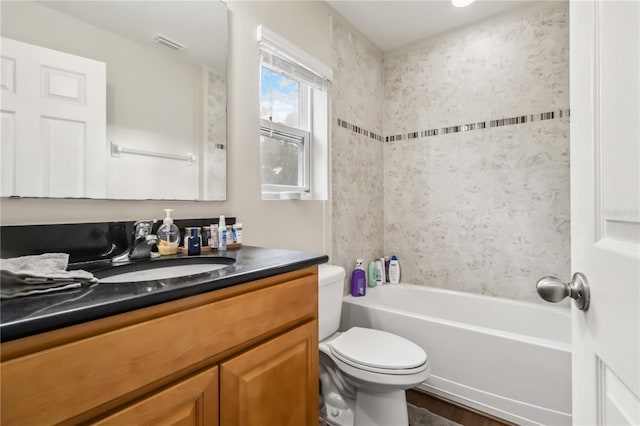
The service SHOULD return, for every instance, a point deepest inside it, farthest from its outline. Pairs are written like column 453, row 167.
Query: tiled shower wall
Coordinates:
column 482, row 208
column 356, row 148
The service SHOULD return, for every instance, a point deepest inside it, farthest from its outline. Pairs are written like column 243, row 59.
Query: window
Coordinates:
column 284, row 133
column 293, row 120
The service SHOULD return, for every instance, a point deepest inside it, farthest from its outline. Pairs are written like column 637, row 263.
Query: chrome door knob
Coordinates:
column 552, row 289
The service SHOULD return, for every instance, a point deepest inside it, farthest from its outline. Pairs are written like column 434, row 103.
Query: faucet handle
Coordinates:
column 143, row 227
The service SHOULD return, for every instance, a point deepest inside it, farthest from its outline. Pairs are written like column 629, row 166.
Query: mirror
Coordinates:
column 114, row 99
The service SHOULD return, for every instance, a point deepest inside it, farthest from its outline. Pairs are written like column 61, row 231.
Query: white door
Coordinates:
column 605, row 217
column 53, row 123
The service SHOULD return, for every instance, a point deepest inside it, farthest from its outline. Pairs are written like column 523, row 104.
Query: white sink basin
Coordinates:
column 162, row 273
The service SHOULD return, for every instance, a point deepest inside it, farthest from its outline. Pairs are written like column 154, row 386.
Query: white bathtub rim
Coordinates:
column 495, row 299
column 521, row 338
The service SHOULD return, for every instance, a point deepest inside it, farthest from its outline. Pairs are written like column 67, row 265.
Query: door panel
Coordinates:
column 7, row 153
column 275, row 383
column 58, row 102
column 63, row 144
column 605, row 214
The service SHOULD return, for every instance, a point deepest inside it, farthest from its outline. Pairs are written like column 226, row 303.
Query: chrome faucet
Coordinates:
column 141, row 243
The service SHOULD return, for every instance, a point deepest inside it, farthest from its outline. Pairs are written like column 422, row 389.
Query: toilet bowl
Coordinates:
column 363, row 372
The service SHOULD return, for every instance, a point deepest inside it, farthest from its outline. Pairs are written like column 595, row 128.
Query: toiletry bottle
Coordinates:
column 386, row 269
column 213, row 238
column 222, row 234
column 379, row 272
column 238, row 228
column 194, row 242
column 206, row 235
column 168, row 236
column 394, row 270
column 372, row 274
column 358, row 280
column 187, row 235
column 231, row 237
column 222, row 239
column 383, row 270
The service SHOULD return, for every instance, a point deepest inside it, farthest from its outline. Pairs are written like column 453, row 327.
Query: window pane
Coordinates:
column 281, row 159
column 279, row 98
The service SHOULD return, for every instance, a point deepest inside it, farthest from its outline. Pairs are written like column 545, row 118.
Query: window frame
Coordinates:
column 267, row 128
column 305, row 131
column 279, row 54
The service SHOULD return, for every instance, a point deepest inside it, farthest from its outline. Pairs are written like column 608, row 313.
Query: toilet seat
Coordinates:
column 378, row 351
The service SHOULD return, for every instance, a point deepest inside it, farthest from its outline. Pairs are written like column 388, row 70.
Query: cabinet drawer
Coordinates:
column 60, row 383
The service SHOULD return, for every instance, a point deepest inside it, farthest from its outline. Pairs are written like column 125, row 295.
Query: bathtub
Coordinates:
column 507, row 358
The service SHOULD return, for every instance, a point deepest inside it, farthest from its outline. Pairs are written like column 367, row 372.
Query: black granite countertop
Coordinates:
column 25, row 316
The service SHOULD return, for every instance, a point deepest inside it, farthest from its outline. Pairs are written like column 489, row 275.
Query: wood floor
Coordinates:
column 457, row 413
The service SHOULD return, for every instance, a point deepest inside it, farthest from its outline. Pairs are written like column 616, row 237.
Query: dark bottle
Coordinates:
column 195, row 242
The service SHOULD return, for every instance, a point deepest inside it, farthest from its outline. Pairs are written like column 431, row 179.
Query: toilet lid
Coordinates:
column 378, row 349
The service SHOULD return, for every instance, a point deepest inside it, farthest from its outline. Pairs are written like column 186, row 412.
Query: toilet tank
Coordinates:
column 330, row 291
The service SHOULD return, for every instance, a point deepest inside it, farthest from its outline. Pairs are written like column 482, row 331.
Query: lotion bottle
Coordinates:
column 358, row 280
column 394, row 270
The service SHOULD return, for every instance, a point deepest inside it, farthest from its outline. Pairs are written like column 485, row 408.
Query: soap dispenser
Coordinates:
column 168, row 235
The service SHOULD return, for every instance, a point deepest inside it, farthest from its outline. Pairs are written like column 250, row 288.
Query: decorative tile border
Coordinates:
column 359, row 130
column 522, row 119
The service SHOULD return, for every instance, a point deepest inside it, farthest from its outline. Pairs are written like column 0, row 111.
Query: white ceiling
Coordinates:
column 200, row 25
column 391, row 25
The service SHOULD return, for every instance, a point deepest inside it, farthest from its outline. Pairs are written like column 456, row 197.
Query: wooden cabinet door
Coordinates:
column 192, row 401
column 275, row 383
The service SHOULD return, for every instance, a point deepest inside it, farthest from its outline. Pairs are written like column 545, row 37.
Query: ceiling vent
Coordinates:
column 167, row 42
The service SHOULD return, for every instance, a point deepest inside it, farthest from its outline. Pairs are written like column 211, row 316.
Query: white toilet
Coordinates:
column 363, row 372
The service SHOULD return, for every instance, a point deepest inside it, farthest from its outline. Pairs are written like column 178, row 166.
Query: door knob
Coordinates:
column 552, row 289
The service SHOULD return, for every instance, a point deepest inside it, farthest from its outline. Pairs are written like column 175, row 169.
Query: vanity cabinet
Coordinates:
column 192, row 401
column 243, row 355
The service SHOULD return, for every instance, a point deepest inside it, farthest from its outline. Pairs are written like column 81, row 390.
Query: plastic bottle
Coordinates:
column 379, row 272
column 394, row 270
column 194, row 242
column 386, row 268
column 238, row 228
column 213, row 236
column 222, row 236
column 372, row 274
column 168, row 236
column 358, row 280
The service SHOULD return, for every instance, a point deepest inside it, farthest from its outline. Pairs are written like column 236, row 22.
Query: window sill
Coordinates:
column 286, row 195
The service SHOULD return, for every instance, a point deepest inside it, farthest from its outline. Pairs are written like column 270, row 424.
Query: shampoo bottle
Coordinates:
column 394, row 270
column 379, row 272
column 372, row 274
column 168, row 236
column 358, row 280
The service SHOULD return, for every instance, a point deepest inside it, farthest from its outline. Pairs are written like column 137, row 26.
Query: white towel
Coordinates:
column 42, row 273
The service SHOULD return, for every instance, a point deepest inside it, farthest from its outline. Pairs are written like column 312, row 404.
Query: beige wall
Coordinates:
column 299, row 225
